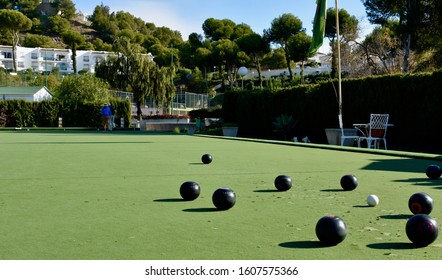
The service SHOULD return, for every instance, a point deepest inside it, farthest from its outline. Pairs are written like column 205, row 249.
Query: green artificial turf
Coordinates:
column 97, row 195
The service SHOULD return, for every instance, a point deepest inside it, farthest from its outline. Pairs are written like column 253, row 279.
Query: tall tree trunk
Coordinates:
column 287, row 59
column 230, row 76
column 334, row 70
column 223, row 79
column 206, row 84
column 302, row 72
column 74, row 57
column 15, row 38
column 139, row 112
column 334, row 62
column 258, row 68
column 412, row 22
column 407, row 54
column 14, row 66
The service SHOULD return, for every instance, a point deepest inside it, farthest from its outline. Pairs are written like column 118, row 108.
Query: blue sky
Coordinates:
column 187, row 16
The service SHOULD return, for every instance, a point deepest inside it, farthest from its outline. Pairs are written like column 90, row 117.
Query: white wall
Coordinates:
column 41, row 95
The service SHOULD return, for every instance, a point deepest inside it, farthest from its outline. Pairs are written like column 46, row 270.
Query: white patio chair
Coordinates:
column 375, row 131
column 343, row 136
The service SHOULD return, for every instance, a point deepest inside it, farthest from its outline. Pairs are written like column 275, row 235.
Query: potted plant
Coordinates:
column 230, row 129
column 284, row 125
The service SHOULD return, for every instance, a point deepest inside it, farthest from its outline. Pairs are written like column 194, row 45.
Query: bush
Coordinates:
column 21, row 113
column 83, row 88
column 411, row 100
column 206, row 113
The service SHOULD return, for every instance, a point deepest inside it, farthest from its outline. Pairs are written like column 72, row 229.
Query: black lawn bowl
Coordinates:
column 420, row 203
column 206, row 158
column 331, row 230
column 433, row 171
column 224, row 198
column 283, row 183
column 190, row 190
column 422, row 230
column 349, row 182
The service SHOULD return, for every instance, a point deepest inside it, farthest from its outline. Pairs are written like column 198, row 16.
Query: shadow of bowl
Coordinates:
column 267, row 191
column 169, row 200
column 396, row 216
column 304, row 244
column 392, row 246
column 334, row 190
column 200, row 210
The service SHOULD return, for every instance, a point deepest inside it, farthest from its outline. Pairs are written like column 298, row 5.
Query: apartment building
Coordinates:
column 46, row 59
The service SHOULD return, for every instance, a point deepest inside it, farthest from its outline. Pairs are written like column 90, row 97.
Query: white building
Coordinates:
column 37, row 94
column 46, row 59
column 322, row 60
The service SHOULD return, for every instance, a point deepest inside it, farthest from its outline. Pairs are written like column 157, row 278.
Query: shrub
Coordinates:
column 21, row 113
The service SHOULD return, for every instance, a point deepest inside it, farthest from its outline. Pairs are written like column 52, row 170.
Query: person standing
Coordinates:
column 106, row 114
column 112, row 116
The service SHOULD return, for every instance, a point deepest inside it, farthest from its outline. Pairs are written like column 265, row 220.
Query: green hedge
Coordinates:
column 205, row 113
column 21, row 113
column 413, row 102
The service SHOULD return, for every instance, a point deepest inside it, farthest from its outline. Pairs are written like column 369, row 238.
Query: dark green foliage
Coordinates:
column 35, row 40
column 83, row 88
column 81, row 114
column 284, row 27
column 413, row 102
column 46, row 113
column 206, row 113
column 284, row 125
column 21, row 113
column 122, row 110
column 3, row 114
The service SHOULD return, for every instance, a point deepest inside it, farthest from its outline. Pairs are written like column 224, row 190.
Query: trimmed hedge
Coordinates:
column 205, row 113
column 21, row 113
column 413, row 102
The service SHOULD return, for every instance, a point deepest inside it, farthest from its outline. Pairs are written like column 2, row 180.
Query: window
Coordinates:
column 99, row 59
column 47, row 56
column 86, row 58
column 62, row 66
column 34, row 55
column 7, row 64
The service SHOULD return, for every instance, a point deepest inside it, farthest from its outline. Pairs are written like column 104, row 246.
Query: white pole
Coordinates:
column 338, row 43
column 339, row 65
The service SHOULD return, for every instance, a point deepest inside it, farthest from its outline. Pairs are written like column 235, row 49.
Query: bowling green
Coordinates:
column 72, row 195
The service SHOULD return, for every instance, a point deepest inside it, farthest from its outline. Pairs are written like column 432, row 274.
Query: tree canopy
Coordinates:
column 348, row 31
column 282, row 28
column 12, row 23
column 83, row 88
column 66, row 8
column 256, row 47
column 407, row 29
column 299, row 49
column 73, row 39
column 419, row 25
column 27, row 7
column 133, row 71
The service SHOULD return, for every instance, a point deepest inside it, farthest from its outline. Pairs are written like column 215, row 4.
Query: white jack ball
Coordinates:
column 372, row 200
